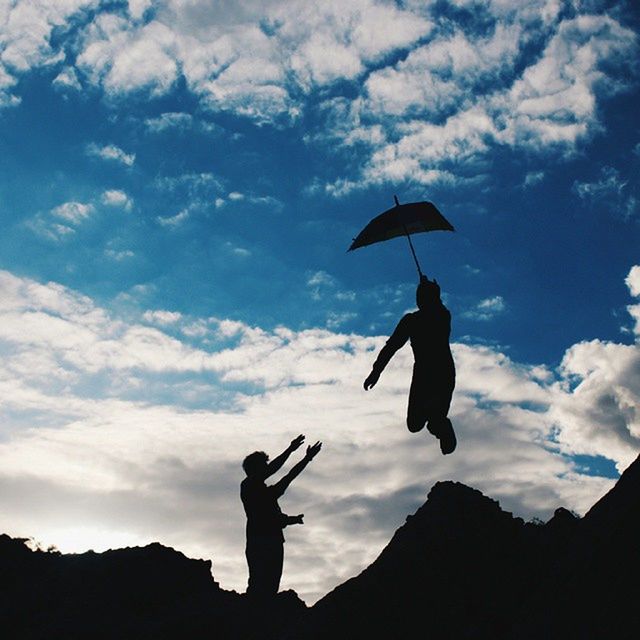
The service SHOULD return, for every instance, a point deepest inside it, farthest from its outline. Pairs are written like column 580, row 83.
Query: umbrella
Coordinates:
column 402, row 220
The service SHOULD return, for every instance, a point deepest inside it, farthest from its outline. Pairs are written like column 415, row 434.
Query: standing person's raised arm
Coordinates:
column 278, row 461
column 281, row 486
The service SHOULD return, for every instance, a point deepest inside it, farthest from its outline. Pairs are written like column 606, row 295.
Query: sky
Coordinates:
column 180, row 181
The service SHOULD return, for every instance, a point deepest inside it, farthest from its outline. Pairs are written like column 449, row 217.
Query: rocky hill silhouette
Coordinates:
column 141, row 593
column 460, row 567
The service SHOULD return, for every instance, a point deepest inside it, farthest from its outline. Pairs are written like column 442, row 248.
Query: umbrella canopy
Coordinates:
column 402, row 220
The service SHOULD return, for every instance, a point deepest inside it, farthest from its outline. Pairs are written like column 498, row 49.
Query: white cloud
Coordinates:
column 67, row 79
column 117, row 198
column 196, row 186
column 162, row 317
column 321, row 278
column 436, row 77
column 111, row 152
column 322, row 285
column 633, row 282
column 422, row 146
column 610, row 191
column 26, row 27
column 235, row 250
column 440, row 110
column 533, row 177
column 61, row 222
column 335, row 320
column 432, row 94
column 45, row 227
column 174, row 221
column 124, row 56
column 138, row 7
column 169, row 120
column 555, row 100
column 119, row 255
column 273, row 204
column 596, row 402
column 253, row 59
column 600, row 408
column 73, row 212
column 335, row 40
column 487, row 308
column 608, row 185
column 128, row 434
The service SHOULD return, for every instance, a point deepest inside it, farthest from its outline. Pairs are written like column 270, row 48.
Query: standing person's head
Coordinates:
column 427, row 293
column 255, row 464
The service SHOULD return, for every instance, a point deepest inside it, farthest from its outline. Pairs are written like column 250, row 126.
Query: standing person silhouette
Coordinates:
column 434, row 374
column 265, row 520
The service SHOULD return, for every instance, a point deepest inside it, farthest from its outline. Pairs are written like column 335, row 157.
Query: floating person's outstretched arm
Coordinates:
column 281, row 486
column 397, row 340
column 278, row 461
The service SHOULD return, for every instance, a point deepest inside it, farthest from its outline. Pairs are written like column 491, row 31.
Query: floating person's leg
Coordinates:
column 443, row 430
column 415, row 421
column 439, row 424
column 417, row 411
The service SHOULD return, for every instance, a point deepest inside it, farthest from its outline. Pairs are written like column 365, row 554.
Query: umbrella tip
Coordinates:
column 396, row 199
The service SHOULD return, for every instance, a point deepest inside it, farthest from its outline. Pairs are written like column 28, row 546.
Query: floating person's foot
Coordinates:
column 435, row 428
column 447, row 437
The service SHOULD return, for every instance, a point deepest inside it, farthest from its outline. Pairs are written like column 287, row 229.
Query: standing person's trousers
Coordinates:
column 265, row 557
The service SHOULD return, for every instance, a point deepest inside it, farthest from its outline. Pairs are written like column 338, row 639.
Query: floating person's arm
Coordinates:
column 278, row 461
column 397, row 340
column 281, row 486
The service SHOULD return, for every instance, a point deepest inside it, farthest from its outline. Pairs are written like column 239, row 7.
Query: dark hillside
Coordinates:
column 460, row 567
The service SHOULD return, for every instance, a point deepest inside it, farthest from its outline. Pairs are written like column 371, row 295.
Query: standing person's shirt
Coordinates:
column 264, row 516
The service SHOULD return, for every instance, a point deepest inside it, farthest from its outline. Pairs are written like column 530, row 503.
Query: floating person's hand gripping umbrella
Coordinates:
column 428, row 329
column 402, row 220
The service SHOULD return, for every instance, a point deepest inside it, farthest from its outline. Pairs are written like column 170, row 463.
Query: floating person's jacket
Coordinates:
column 428, row 330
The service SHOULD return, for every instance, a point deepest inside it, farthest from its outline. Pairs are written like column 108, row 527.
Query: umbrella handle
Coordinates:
column 413, row 253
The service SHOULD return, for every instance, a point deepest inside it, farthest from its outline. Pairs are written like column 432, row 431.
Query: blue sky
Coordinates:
column 179, row 183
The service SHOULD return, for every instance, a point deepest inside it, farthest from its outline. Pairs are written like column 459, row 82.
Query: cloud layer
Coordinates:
column 418, row 91
column 123, row 431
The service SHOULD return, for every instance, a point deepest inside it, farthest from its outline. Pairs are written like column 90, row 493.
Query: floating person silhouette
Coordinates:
column 265, row 520
column 434, row 374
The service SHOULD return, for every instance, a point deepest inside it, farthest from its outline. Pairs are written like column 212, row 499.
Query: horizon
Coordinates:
column 180, row 184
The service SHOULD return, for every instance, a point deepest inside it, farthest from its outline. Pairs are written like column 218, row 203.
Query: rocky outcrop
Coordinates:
column 149, row 592
column 460, row 567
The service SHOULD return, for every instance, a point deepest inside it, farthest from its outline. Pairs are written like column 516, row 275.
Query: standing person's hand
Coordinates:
column 296, row 442
column 312, row 450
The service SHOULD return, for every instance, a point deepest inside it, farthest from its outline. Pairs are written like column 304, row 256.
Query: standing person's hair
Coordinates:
column 254, row 462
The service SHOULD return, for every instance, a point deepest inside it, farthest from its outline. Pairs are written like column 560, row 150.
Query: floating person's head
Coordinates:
column 255, row 464
column 427, row 293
